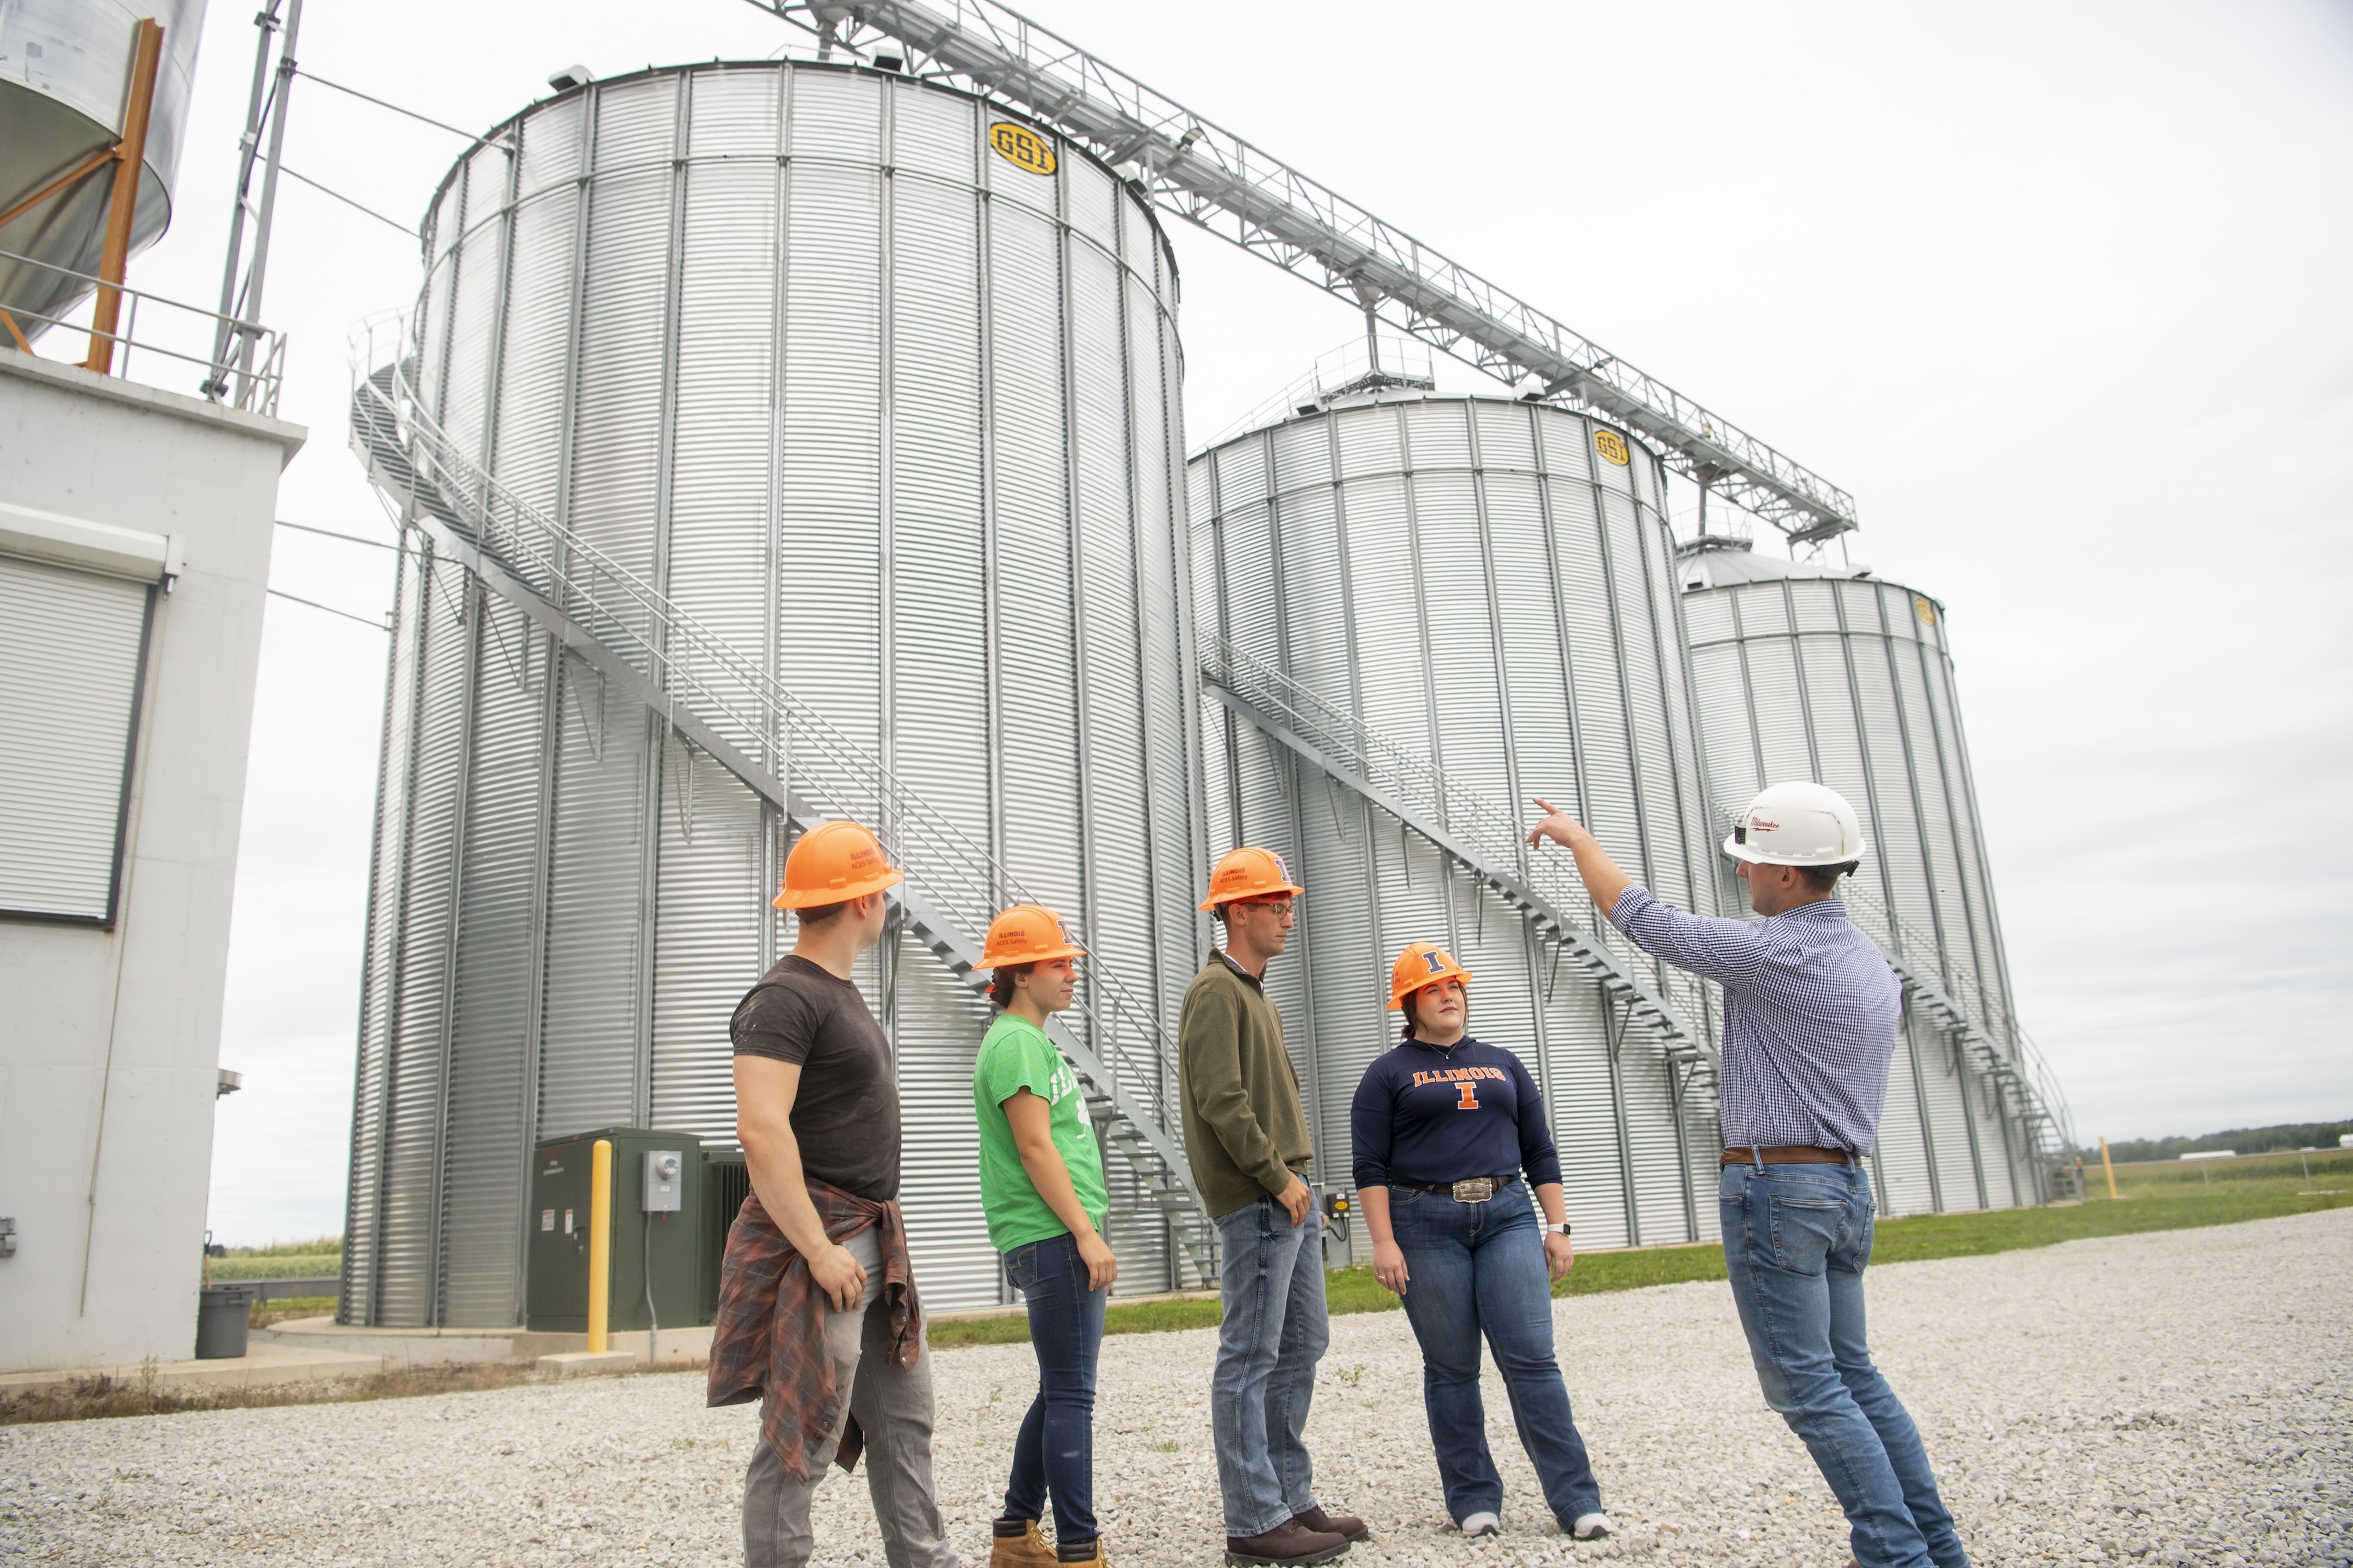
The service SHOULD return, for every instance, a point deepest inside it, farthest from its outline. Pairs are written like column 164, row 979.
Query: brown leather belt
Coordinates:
column 1788, row 1154
column 1474, row 1190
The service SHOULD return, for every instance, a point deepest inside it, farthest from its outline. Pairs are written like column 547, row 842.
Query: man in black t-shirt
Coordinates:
column 817, row 1109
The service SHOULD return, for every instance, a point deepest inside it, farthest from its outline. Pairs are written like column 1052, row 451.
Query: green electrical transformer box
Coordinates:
column 726, row 1183
column 661, row 1232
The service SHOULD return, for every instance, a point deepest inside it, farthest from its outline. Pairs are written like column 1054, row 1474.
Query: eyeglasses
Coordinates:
column 1275, row 907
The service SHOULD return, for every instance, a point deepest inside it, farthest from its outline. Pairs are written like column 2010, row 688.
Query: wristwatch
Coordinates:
column 1560, row 1229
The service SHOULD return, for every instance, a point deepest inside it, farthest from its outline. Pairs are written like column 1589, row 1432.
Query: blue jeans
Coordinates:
column 1055, row 1451
column 1480, row 1268
column 1271, row 1276
column 1796, row 1239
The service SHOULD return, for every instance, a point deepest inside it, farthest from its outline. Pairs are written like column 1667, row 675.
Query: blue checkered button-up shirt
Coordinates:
column 1810, row 1015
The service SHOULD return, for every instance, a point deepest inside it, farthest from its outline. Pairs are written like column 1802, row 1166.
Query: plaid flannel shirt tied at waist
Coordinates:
column 768, row 1341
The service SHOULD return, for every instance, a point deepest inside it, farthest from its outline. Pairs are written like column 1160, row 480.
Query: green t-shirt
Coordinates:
column 1015, row 1055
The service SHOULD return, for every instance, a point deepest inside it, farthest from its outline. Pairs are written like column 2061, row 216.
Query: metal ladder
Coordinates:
column 1481, row 837
column 724, row 702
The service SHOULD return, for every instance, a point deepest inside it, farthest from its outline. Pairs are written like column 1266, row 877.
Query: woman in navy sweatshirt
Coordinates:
column 1444, row 1128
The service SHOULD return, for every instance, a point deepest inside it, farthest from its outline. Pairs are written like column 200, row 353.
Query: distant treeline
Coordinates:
column 2243, row 1140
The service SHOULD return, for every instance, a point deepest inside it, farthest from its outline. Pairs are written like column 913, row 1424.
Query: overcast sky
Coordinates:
column 2058, row 292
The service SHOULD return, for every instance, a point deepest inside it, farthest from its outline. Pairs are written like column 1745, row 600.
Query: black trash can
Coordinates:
column 223, row 1321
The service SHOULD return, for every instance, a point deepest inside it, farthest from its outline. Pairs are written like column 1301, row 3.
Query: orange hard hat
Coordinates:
column 1027, row 933
column 833, row 863
column 1249, row 873
column 1421, row 964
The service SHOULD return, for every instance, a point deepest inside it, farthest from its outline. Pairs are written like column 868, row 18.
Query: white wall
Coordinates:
column 110, row 1229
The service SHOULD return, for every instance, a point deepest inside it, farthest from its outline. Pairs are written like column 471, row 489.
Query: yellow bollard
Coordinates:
column 2110, row 1169
column 600, row 1244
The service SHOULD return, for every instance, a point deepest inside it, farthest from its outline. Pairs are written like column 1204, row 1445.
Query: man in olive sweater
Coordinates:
column 1246, row 1136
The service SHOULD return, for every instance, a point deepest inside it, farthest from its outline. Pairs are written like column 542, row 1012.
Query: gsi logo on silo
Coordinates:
column 1022, row 147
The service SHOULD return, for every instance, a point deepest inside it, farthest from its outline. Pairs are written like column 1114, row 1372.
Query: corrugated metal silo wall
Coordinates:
column 1473, row 579
column 1849, row 682
column 897, row 419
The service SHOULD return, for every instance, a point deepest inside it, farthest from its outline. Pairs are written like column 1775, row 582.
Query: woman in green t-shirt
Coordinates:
column 1042, row 1184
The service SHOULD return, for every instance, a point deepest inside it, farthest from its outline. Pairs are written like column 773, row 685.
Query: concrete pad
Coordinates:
column 442, row 1347
column 587, row 1363
column 262, row 1364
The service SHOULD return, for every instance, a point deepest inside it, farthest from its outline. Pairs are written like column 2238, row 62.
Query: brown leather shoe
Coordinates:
column 1342, row 1524
column 1288, row 1545
column 1026, row 1549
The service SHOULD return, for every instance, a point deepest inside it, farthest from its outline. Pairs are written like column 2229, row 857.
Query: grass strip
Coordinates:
column 2157, row 1197
column 280, row 1309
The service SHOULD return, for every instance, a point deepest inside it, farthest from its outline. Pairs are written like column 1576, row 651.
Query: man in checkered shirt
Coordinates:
column 1810, row 1010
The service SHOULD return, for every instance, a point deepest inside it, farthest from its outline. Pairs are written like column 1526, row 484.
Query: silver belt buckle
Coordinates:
column 1477, row 1190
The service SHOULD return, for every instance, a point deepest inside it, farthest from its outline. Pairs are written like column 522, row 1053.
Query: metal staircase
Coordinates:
column 1989, row 1035
column 1481, row 837
column 724, row 702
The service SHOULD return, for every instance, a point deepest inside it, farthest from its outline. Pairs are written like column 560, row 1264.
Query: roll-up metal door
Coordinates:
column 72, row 664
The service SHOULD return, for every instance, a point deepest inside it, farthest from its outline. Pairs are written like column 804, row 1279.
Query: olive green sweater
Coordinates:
column 1244, row 1131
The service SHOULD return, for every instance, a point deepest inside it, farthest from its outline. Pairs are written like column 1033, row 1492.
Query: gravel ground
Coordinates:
column 2184, row 1398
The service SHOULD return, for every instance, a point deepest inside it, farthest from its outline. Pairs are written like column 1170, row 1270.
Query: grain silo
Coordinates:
column 771, row 431
column 1806, row 672
column 1416, row 612
column 64, row 69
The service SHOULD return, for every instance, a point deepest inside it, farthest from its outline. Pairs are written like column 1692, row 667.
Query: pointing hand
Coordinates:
column 1557, row 826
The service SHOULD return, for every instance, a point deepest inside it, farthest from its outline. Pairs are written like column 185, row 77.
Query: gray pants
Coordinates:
column 893, row 1406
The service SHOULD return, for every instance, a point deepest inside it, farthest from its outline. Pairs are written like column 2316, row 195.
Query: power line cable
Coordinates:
column 380, row 103
column 395, row 223
column 346, row 538
column 282, row 594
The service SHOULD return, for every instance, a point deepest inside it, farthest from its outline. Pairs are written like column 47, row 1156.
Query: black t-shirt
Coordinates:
column 846, row 1116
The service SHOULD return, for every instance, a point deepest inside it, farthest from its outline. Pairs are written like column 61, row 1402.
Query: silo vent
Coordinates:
column 569, row 78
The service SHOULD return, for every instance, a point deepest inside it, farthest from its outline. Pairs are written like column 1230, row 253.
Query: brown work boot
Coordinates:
column 1346, row 1525
column 1290, row 1544
column 1082, row 1554
column 1016, row 1543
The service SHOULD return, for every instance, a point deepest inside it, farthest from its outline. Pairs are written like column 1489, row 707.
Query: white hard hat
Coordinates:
column 1797, row 825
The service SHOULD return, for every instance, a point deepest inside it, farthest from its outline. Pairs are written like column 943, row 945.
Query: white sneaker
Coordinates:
column 1592, row 1526
column 1483, row 1524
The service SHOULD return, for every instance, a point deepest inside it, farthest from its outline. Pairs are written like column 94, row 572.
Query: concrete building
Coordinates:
column 134, row 548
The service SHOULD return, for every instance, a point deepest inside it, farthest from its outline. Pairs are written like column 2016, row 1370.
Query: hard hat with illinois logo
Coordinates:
column 1421, row 964
column 1248, row 872
column 1027, row 933
column 833, row 863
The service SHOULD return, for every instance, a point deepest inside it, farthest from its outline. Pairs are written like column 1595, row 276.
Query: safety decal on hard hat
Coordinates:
column 1612, row 445
column 1435, row 958
column 1281, row 872
column 1022, row 147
